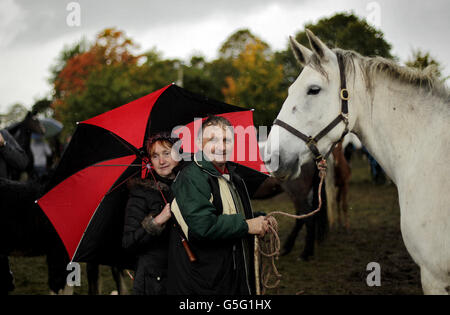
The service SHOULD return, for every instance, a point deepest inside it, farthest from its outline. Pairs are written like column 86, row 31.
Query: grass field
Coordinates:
column 339, row 264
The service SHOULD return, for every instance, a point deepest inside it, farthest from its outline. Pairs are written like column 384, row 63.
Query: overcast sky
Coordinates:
column 32, row 33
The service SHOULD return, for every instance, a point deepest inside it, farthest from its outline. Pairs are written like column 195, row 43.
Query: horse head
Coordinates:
column 309, row 113
column 33, row 124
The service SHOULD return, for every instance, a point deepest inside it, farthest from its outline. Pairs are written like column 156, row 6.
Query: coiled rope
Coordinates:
column 268, row 247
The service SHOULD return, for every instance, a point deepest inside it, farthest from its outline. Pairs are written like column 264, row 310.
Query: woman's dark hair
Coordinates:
column 164, row 137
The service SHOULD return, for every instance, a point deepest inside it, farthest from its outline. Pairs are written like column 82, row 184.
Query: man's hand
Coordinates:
column 2, row 140
column 258, row 226
column 164, row 216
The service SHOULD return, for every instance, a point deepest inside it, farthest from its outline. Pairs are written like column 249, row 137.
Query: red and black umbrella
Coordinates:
column 86, row 197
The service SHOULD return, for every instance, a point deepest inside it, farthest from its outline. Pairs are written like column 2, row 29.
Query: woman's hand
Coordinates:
column 164, row 216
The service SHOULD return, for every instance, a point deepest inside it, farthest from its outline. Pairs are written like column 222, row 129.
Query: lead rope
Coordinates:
column 268, row 247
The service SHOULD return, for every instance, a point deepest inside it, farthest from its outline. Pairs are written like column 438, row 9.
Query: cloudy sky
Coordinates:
column 32, row 33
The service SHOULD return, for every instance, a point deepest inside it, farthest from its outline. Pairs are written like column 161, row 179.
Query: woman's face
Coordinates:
column 162, row 160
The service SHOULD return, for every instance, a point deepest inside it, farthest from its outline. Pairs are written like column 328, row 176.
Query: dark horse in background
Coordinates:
column 26, row 231
column 303, row 192
column 22, row 131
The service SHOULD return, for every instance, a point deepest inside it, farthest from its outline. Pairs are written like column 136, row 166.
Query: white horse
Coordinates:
column 401, row 115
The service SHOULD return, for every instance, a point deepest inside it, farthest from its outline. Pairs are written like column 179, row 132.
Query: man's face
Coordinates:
column 217, row 143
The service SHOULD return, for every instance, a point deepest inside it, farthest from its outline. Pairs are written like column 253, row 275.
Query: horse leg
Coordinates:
column 6, row 277
column 118, row 276
column 339, row 206
column 433, row 285
column 310, row 238
column 94, row 283
column 290, row 241
column 344, row 196
column 57, row 261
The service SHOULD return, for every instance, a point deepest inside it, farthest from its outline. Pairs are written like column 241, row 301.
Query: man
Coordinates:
column 213, row 210
column 11, row 156
column 41, row 152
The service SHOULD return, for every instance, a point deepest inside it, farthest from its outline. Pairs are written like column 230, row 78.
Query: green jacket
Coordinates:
column 193, row 193
column 211, row 210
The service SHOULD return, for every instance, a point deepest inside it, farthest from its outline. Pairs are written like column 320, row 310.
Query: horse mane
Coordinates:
column 424, row 79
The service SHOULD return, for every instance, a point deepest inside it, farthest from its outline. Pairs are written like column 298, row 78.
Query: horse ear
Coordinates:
column 301, row 53
column 319, row 48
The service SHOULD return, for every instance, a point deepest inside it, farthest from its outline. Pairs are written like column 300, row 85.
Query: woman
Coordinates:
column 146, row 231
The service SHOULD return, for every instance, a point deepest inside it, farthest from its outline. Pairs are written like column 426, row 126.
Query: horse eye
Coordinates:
column 314, row 90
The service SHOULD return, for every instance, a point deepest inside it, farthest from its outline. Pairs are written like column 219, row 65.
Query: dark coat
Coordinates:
column 12, row 156
column 220, row 242
column 142, row 238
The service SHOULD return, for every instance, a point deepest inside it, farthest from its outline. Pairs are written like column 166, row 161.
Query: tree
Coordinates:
column 422, row 60
column 91, row 80
column 256, row 81
column 343, row 30
column 15, row 113
column 237, row 42
column 67, row 53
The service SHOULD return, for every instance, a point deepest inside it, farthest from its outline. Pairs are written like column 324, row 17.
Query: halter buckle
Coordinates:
column 344, row 117
column 311, row 141
column 344, row 95
column 318, row 158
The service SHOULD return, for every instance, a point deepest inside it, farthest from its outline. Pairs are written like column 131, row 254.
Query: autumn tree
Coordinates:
column 91, row 80
column 252, row 79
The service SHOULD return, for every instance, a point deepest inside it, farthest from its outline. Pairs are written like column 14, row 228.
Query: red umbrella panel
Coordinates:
column 70, row 208
column 86, row 197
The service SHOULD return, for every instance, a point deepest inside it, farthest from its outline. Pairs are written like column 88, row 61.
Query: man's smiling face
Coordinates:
column 217, row 143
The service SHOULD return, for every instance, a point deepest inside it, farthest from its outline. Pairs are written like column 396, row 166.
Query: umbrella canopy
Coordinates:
column 86, row 198
column 52, row 127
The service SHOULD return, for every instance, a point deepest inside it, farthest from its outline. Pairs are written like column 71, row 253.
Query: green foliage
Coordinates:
column 343, row 30
column 237, row 42
column 257, row 82
column 422, row 60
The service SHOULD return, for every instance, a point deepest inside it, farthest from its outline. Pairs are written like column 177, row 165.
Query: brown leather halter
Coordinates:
column 311, row 142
